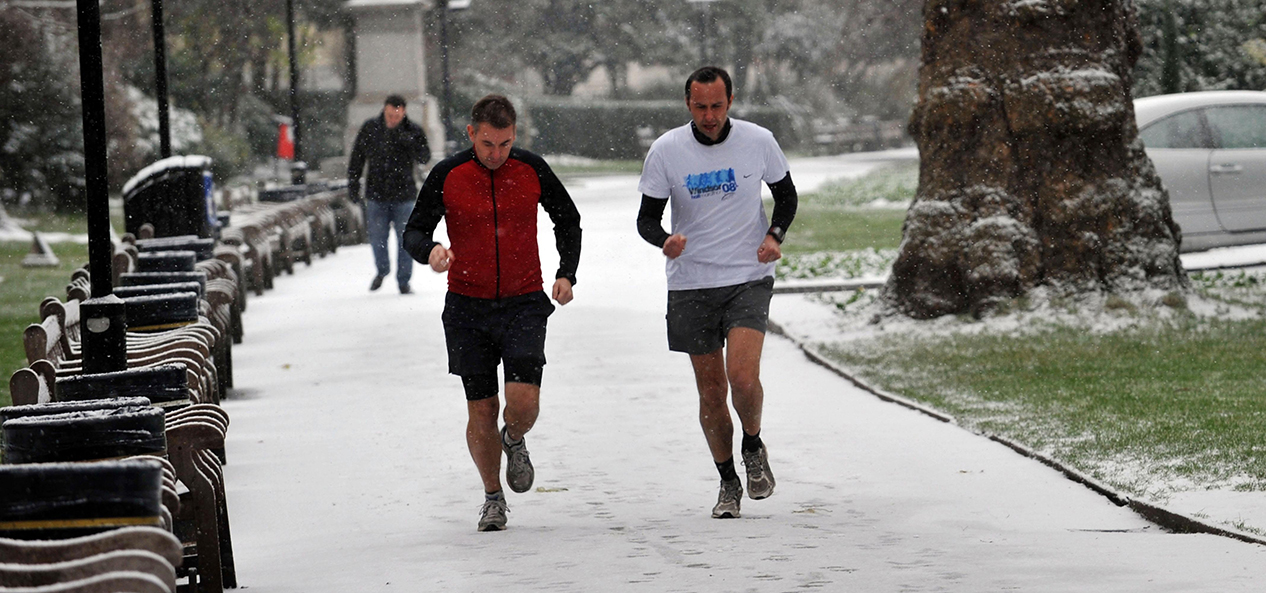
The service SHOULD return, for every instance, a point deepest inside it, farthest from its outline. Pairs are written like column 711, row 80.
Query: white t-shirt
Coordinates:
column 716, row 203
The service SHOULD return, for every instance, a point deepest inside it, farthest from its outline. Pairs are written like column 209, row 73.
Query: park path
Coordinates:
column 348, row 470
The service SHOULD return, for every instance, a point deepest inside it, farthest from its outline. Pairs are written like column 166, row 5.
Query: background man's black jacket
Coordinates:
column 391, row 153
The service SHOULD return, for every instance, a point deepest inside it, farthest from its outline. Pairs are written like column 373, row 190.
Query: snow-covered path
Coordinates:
column 348, row 469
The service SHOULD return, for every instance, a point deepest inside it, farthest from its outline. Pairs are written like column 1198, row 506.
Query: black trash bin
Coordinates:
column 176, row 195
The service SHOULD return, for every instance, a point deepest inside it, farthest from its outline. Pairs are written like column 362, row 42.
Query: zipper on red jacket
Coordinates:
column 496, row 238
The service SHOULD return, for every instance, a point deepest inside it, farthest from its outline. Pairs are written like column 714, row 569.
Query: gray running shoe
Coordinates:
column 760, row 480
column 728, row 500
column 519, row 472
column 492, row 517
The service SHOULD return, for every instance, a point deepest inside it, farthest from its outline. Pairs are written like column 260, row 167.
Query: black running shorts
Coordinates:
column 481, row 333
column 699, row 320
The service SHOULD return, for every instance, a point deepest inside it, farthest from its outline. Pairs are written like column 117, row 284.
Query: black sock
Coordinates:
column 751, row 442
column 498, row 495
column 726, row 468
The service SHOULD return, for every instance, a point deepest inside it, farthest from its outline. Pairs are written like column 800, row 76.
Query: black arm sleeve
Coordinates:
column 356, row 165
column 562, row 210
column 785, row 202
column 419, row 233
column 423, row 149
column 650, row 223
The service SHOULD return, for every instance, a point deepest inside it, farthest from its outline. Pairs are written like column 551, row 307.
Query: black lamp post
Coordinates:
column 160, row 80
column 103, row 321
column 298, row 171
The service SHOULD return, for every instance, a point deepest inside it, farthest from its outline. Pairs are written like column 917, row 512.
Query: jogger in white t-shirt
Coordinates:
column 720, row 265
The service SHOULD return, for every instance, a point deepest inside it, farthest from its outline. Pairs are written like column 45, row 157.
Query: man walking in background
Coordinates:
column 721, row 282
column 496, row 310
column 391, row 144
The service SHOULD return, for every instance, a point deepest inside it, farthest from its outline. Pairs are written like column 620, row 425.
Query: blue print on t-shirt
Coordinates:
column 706, row 184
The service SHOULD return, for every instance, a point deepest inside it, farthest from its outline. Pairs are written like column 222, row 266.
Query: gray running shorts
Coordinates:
column 700, row 319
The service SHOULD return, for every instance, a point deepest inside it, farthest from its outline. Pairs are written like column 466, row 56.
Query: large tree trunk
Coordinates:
column 1031, row 170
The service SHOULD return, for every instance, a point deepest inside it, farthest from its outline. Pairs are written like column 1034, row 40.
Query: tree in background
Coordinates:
column 41, row 109
column 1031, row 172
column 227, row 63
column 829, row 56
column 564, row 41
column 41, row 131
column 818, row 57
column 822, row 62
column 643, row 32
column 1197, row 45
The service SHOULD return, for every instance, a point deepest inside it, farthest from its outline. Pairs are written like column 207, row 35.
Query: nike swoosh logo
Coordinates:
column 748, row 175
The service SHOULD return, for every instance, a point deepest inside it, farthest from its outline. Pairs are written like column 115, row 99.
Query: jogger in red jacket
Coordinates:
column 496, row 309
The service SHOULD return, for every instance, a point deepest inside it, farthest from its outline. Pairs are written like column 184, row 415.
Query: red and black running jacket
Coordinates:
column 491, row 218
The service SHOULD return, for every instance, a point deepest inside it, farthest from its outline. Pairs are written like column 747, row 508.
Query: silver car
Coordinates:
column 1210, row 151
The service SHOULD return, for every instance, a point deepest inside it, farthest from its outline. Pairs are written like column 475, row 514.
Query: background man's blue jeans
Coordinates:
column 379, row 218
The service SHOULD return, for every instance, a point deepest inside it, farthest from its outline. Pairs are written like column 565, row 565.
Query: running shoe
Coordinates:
column 519, row 472
column 492, row 517
column 760, row 480
column 728, row 500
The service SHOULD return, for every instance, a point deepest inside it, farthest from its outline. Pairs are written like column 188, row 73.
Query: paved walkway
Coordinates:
column 348, row 469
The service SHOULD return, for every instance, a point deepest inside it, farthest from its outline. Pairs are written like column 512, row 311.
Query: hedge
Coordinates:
column 609, row 129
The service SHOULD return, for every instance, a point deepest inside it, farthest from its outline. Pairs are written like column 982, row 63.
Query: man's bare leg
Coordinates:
column 743, row 352
column 718, row 429
column 714, row 409
column 523, row 404
column 743, row 364
column 484, row 440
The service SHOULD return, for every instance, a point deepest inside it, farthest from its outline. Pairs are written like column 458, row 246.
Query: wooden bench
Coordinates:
column 92, row 562
column 48, row 343
column 213, row 328
column 192, row 434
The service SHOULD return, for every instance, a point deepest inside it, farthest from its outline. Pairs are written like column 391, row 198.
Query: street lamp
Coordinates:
column 447, row 112
column 160, row 81
column 298, row 168
column 102, row 317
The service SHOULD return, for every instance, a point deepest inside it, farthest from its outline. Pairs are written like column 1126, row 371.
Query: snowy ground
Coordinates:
column 348, row 469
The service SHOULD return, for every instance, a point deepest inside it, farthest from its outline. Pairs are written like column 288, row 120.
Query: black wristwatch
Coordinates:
column 778, row 233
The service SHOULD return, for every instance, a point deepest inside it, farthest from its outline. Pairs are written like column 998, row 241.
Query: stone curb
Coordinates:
column 1170, row 520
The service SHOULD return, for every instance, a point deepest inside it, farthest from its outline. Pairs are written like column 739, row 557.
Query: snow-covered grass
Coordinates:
column 849, row 228
column 566, row 165
column 858, row 263
column 1155, row 394
column 55, row 227
column 890, row 187
column 833, row 228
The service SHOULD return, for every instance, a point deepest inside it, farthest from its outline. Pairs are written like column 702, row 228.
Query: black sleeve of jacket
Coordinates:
column 785, row 202
column 562, row 210
column 356, row 163
column 419, row 233
column 650, row 221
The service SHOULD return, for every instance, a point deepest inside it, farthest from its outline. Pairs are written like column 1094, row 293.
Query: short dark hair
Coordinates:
column 708, row 75
column 495, row 110
column 395, row 101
